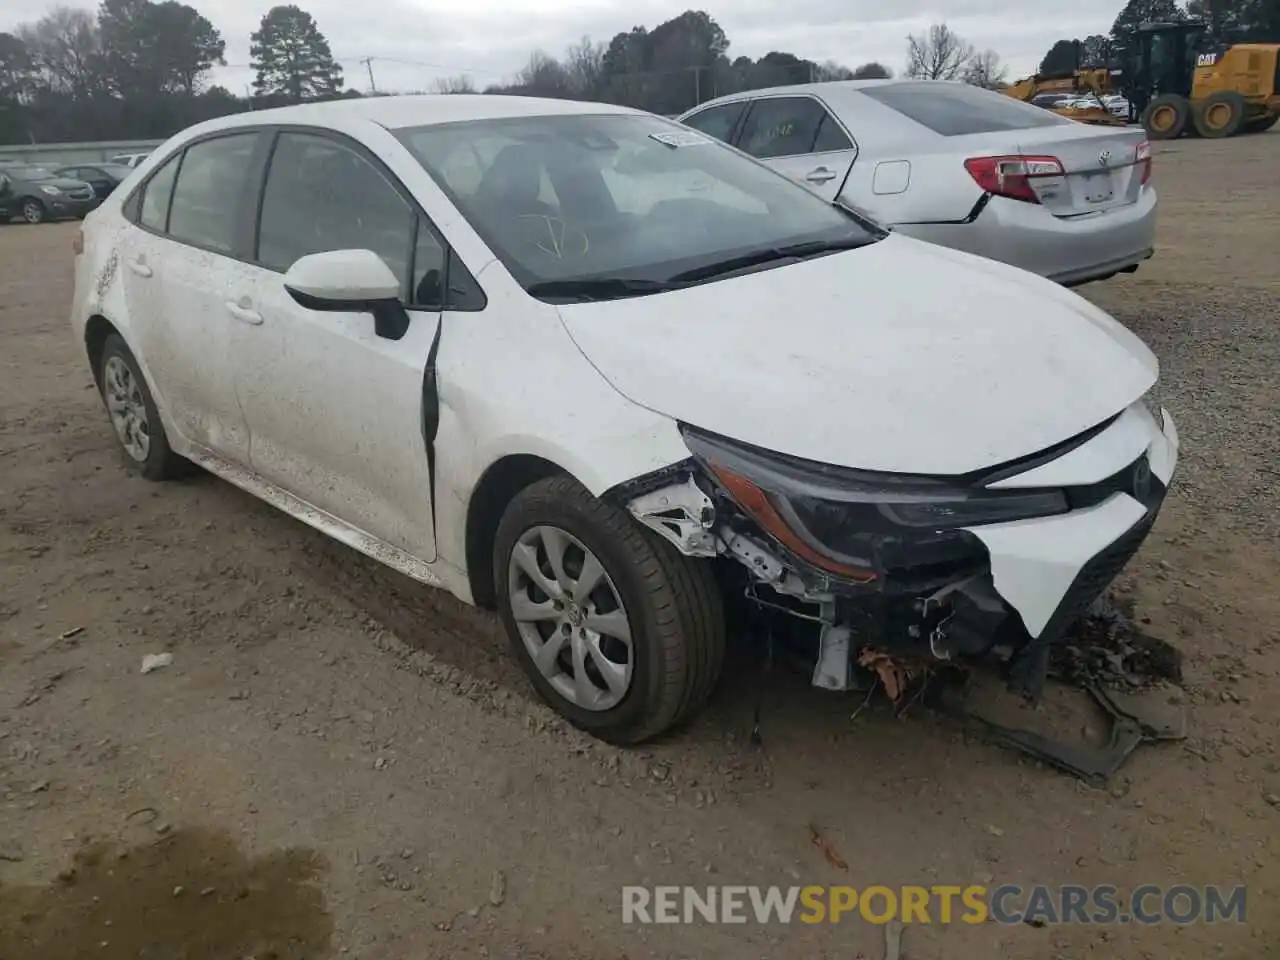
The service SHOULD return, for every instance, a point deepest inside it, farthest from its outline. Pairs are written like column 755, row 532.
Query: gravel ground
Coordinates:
column 342, row 763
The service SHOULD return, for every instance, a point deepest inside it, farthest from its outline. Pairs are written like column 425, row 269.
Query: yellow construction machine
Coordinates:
column 1095, row 82
column 1182, row 81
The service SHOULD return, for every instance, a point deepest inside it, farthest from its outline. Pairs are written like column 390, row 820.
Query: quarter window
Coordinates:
column 788, row 127
column 718, row 121
column 206, row 197
column 156, row 194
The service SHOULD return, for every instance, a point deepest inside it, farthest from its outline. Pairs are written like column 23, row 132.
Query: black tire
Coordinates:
column 1166, row 117
column 673, row 603
column 1220, row 114
column 33, row 210
column 161, row 462
column 1261, row 124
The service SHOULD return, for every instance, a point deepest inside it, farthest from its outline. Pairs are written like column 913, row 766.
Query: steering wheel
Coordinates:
column 552, row 236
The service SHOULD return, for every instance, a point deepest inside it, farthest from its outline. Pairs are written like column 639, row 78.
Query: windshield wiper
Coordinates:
column 793, row 251
column 599, row 288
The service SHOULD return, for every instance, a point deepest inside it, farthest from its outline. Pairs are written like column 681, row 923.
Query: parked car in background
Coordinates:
column 959, row 166
column 103, row 177
column 36, row 194
column 129, row 159
column 598, row 370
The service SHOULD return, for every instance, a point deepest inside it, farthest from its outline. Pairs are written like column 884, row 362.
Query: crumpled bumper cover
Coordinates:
column 1049, row 569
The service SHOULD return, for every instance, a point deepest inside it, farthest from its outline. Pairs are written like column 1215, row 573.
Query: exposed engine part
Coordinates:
column 682, row 514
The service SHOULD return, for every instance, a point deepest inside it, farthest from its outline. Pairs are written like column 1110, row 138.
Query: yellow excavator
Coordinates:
column 1096, row 81
column 1182, row 81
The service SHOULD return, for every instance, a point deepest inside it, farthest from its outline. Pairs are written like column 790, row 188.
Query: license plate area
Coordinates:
column 1096, row 187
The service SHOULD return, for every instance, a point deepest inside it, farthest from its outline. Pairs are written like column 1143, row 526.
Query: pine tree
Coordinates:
column 291, row 57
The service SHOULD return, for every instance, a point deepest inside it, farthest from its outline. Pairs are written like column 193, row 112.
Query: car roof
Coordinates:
column 417, row 110
column 820, row 88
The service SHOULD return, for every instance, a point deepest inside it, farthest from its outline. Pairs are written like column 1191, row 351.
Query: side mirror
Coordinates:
column 350, row 281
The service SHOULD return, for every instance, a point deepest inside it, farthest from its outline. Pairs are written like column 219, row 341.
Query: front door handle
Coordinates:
column 139, row 267
column 244, row 314
column 821, row 175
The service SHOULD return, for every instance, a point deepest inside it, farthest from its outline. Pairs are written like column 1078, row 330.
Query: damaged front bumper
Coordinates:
column 918, row 592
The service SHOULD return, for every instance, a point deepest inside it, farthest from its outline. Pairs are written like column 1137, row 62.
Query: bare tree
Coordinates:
column 545, row 76
column 938, row 54
column 830, row 70
column 66, row 49
column 584, row 62
column 458, row 84
column 985, row 70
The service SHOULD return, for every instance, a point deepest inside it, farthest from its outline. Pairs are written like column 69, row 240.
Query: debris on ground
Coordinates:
column 156, row 661
column 893, row 677
column 68, row 634
column 1107, row 647
column 498, row 888
column 822, row 843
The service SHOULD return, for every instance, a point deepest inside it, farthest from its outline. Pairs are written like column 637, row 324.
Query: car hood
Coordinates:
column 900, row 356
column 62, row 183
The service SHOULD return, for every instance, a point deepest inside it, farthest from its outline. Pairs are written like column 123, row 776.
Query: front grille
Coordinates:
column 1094, row 577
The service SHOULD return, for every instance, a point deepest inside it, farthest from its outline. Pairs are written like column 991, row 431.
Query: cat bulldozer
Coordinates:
column 1180, row 80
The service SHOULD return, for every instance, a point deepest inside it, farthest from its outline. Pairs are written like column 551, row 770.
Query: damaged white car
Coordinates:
column 616, row 379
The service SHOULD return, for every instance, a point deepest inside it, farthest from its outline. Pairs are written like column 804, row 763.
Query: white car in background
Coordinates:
column 959, row 166
column 603, row 373
column 129, row 159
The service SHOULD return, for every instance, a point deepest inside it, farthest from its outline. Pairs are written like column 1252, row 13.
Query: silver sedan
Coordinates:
column 958, row 166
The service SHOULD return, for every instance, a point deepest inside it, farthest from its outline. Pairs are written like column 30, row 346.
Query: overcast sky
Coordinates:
column 415, row 41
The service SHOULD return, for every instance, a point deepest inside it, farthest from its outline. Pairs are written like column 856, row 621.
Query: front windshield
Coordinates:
column 624, row 197
column 28, row 173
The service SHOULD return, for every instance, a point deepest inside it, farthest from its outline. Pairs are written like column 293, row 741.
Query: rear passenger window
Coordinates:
column 206, row 198
column 320, row 196
column 718, row 121
column 957, row 109
column 787, row 127
column 155, row 196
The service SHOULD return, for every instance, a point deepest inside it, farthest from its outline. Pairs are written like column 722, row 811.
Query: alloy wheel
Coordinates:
column 32, row 211
column 127, row 408
column 570, row 618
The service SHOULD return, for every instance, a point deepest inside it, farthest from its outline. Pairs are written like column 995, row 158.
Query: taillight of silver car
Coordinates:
column 1142, row 158
column 1011, row 176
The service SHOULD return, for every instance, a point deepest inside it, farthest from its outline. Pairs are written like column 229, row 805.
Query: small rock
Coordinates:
column 177, row 891
column 208, row 891
column 406, row 854
column 1272, row 799
column 380, row 763
column 156, row 661
column 498, row 888
column 473, row 912
column 10, row 851
column 995, row 831
column 39, row 786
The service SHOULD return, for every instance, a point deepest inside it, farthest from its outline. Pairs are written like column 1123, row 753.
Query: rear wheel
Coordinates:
column 1166, row 117
column 134, row 415
column 1261, row 124
column 1220, row 114
column 32, row 210
column 619, row 632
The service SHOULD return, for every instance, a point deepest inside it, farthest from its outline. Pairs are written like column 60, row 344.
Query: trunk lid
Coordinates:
column 1099, row 167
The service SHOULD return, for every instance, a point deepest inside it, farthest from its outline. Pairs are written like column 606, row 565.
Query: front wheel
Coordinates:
column 1166, row 117
column 619, row 633
column 32, row 211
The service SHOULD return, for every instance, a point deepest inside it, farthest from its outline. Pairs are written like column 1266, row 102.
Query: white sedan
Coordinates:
column 603, row 373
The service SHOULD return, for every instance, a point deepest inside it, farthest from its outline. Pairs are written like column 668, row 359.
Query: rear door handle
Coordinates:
column 139, row 267
column 244, row 314
column 821, row 175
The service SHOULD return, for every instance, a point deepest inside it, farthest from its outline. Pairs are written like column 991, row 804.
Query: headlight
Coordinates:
column 859, row 524
column 51, row 191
